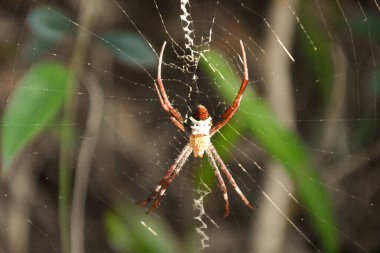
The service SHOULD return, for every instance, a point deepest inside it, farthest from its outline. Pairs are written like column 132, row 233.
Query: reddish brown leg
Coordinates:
column 167, row 175
column 168, row 178
column 227, row 115
column 165, row 103
column 159, row 186
column 171, row 178
column 221, row 182
column 229, row 176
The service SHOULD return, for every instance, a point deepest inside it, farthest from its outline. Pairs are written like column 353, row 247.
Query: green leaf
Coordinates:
column 130, row 230
column 34, row 103
column 320, row 61
column 48, row 24
column 284, row 145
column 361, row 28
column 131, row 49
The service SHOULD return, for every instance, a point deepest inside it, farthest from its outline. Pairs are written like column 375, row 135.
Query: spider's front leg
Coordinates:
column 227, row 115
column 165, row 103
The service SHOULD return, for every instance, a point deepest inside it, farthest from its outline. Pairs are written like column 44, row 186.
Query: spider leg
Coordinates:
column 165, row 103
column 168, row 178
column 167, row 175
column 220, row 180
column 229, row 176
column 227, row 115
column 174, row 119
column 178, row 124
column 171, row 178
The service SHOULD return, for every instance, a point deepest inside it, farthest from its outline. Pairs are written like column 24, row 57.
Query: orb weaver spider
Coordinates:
column 200, row 129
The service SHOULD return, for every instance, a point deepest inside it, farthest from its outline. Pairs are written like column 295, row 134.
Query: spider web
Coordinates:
column 327, row 95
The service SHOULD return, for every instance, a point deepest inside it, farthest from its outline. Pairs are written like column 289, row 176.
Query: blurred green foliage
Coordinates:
column 130, row 48
column 47, row 27
column 40, row 93
column 282, row 144
column 130, row 230
column 367, row 28
column 318, row 60
column 48, row 24
column 36, row 100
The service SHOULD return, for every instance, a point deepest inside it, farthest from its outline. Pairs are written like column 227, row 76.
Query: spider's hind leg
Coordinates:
column 164, row 183
column 229, row 176
column 220, row 180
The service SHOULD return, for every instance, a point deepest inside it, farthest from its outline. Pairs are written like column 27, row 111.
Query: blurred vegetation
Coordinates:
column 127, row 231
column 36, row 103
column 32, row 108
column 291, row 153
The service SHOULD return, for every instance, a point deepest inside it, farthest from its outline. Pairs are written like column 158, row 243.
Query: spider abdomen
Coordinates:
column 199, row 143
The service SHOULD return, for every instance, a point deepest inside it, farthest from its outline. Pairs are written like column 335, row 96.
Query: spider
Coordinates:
column 199, row 128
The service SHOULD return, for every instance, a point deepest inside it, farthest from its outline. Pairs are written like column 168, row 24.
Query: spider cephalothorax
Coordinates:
column 200, row 128
column 200, row 113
